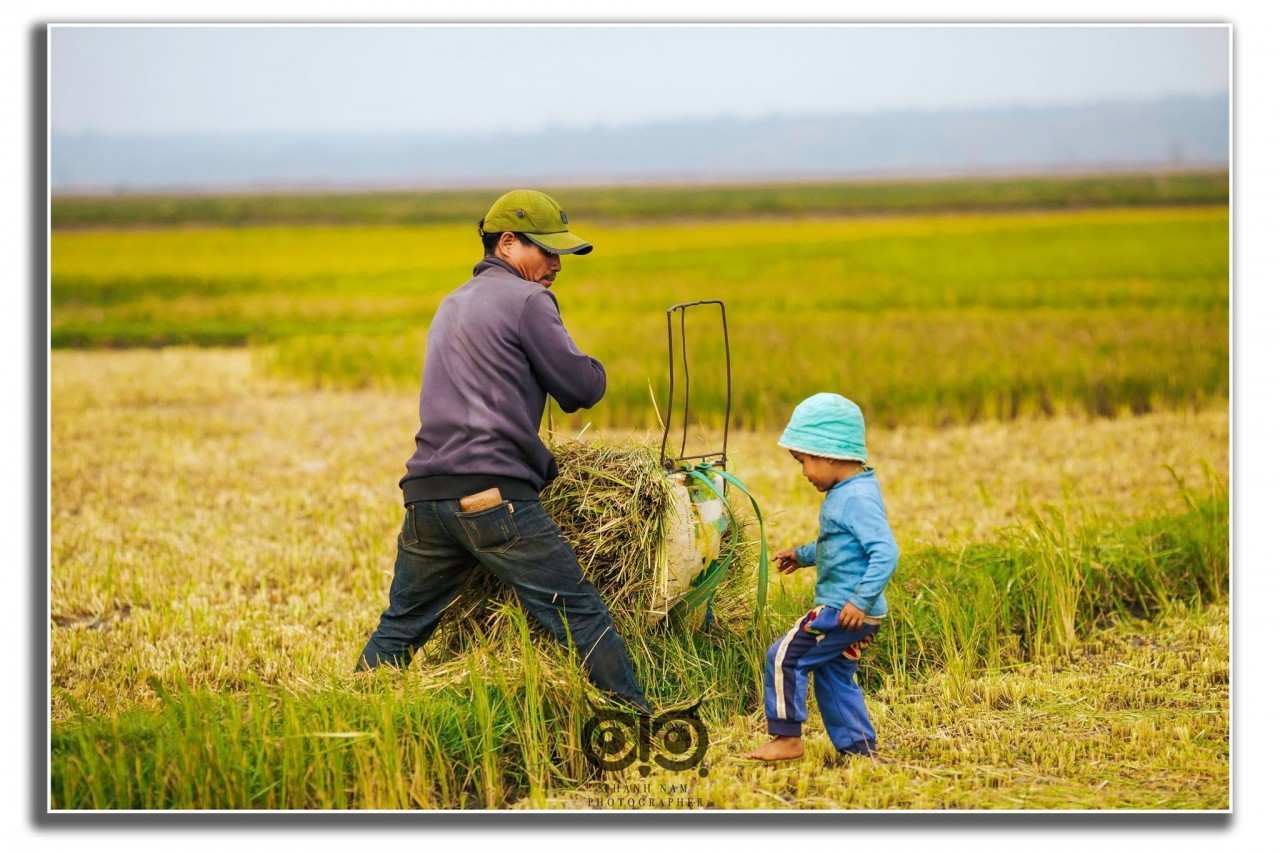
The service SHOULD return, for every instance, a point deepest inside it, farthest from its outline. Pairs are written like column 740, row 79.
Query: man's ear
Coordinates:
column 505, row 241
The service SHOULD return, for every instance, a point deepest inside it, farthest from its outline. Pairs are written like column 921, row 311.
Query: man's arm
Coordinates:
column 572, row 378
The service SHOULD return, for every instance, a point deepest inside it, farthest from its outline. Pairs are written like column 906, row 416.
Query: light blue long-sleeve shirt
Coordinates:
column 855, row 551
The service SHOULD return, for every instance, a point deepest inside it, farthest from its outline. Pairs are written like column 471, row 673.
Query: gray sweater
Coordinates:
column 495, row 350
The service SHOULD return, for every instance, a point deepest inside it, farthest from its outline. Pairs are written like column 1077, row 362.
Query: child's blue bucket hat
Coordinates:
column 827, row 425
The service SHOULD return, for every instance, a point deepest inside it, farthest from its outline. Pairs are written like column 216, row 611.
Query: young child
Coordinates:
column 855, row 554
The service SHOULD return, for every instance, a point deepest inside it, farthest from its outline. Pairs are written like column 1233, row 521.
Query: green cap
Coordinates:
column 537, row 216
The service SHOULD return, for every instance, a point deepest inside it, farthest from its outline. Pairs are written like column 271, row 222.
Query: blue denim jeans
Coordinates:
column 440, row 546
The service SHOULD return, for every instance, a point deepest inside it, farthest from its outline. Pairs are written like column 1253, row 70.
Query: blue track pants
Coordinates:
column 817, row 645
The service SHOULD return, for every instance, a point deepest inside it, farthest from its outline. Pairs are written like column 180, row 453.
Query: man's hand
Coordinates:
column 851, row 618
column 786, row 560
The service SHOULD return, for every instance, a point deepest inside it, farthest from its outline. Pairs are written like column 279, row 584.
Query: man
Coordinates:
column 495, row 350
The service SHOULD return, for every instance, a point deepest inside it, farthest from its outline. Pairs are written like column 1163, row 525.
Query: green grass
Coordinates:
column 930, row 319
column 588, row 204
column 220, row 549
column 1049, row 583
column 501, row 724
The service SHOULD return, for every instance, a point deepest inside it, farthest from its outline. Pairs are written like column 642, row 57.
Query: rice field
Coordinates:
column 930, row 319
column 1044, row 368
column 204, row 622
column 649, row 203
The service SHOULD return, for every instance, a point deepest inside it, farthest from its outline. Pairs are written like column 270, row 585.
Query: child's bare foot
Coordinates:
column 779, row 749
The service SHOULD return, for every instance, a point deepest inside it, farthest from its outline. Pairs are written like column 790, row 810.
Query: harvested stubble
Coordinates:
column 612, row 501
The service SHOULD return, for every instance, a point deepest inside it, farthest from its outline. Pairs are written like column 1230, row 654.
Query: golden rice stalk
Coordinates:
column 612, row 502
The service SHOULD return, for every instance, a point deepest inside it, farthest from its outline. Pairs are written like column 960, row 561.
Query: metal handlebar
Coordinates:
column 670, row 463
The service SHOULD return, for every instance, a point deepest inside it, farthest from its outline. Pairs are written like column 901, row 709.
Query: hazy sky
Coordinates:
column 465, row 78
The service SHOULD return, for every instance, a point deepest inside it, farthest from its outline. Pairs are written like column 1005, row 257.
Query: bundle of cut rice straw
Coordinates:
column 613, row 502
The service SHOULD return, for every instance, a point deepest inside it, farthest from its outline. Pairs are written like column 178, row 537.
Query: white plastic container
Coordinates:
column 692, row 537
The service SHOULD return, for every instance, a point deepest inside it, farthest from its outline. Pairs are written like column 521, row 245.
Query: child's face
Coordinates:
column 819, row 470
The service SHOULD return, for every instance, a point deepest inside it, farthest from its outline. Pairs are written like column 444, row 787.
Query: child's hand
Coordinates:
column 851, row 618
column 786, row 560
